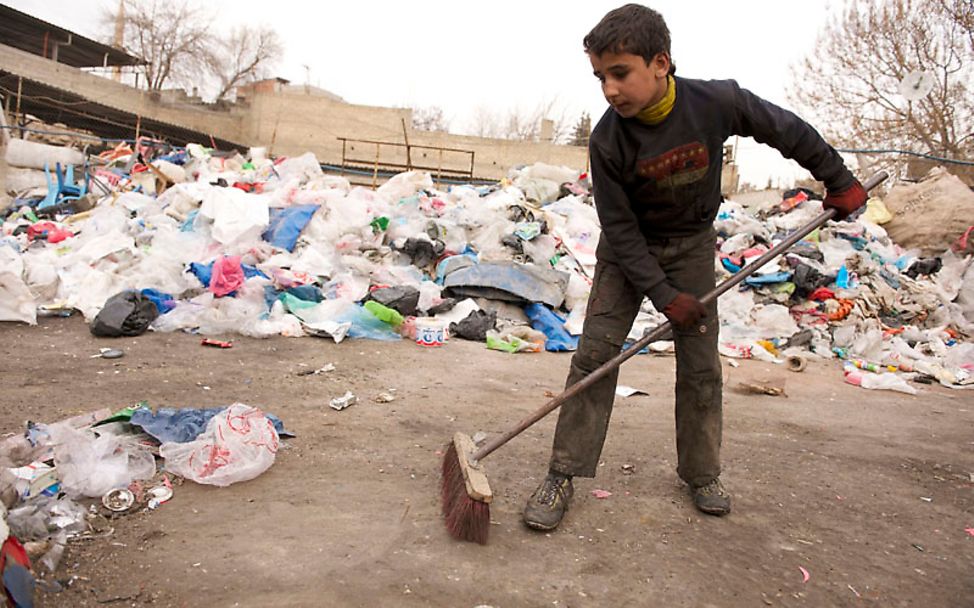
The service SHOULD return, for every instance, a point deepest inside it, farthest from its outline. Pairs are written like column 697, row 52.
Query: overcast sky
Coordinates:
column 466, row 57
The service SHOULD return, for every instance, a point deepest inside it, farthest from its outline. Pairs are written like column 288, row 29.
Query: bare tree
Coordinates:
column 961, row 11
column 850, row 82
column 484, row 123
column 521, row 125
column 244, row 56
column 582, row 130
column 172, row 37
column 430, row 118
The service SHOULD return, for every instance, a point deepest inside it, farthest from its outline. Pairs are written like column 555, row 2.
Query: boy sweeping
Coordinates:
column 656, row 158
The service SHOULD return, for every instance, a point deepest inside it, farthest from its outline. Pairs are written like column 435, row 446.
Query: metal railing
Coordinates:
column 442, row 170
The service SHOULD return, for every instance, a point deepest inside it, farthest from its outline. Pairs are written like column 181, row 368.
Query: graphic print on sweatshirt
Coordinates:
column 678, row 167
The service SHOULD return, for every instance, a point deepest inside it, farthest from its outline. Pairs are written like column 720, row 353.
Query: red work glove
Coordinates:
column 685, row 311
column 845, row 202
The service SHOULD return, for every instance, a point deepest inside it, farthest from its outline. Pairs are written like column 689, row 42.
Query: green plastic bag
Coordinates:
column 384, row 313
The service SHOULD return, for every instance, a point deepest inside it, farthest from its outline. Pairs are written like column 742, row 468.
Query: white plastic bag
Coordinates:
column 90, row 464
column 238, row 217
column 238, row 444
column 16, row 301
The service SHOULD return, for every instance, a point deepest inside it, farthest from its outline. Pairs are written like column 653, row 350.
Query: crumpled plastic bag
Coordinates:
column 238, row 217
column 238, row 444
column 16, row 301
column 518, row 339
column 128, row 313
column 474, row 326
column 227, row 275
column 553, row 326
column 90, row 464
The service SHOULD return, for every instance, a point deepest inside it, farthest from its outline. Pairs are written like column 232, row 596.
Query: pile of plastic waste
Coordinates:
column 195, row 240
column 847, row 291
column 66, row 481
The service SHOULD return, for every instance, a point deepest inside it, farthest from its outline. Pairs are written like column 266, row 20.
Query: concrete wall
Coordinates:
column 292, row 123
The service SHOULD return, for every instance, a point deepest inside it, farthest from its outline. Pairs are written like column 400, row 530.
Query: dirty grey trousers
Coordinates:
column 612, row 307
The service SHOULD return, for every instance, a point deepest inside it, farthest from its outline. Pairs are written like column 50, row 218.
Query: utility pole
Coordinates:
column 119, row 37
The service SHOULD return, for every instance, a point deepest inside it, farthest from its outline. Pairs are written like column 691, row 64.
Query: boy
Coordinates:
column 656, row 160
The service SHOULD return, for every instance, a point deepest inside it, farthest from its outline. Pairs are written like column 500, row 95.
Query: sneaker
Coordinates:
column 712, row 498
column 549, row 502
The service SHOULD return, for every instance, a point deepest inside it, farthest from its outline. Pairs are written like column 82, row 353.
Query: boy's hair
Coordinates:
column 632, row 28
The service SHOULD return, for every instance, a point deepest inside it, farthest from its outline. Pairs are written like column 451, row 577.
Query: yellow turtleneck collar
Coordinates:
column 657, row 113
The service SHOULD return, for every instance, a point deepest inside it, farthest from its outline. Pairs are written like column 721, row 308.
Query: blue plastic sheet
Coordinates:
column 842, row 279
column 308, row 293
column 163, row 301
column 730, row 266
column 204, row 272
column 366, row 325
column 190, row 221
column 768, row 279
column 509, row 281
column 286, row 225
column 455, row 262
column 185, row 424
column 305, row 293
column 553, row 326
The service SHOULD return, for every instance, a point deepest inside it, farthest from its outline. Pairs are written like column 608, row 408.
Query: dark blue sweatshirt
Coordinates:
column 658, row 181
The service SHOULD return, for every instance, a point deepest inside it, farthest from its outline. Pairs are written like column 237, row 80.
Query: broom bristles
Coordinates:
column 466, row 518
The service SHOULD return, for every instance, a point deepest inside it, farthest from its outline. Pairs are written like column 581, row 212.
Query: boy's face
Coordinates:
column 628, row 82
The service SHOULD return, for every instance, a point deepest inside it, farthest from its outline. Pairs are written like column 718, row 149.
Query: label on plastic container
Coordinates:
column 430, row 332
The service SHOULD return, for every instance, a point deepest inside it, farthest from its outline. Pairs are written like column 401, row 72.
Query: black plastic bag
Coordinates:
column 128, row 313
column 402, row 299
column 475, row 326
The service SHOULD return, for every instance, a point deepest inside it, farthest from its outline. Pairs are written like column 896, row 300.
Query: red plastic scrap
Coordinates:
column 257, row 187
column 793, row 201
column 805, row 575
column 217, row 343
column 821, row 294
column 845, row 307
column 48, row 231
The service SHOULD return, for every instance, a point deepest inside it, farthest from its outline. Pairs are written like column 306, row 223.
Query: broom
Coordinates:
column 466, row 493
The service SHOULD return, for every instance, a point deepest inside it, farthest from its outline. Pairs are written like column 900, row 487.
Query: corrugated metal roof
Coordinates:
column 33, row 35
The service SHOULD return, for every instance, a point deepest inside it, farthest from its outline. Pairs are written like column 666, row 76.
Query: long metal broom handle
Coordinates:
column 661, row 330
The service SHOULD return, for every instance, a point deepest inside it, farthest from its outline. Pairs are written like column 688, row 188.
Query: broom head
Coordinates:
column 466, row 493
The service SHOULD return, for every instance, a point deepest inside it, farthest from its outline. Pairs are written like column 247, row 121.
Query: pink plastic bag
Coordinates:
column 227, row 275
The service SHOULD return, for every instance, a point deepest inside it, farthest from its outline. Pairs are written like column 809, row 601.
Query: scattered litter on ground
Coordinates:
column 601, row 493
column 328, row 367
column 772, row 388
column 796, row 363
column 340, row 403
column 805, row 574
column 628, row 391
column 118, row 500
column 55, row 476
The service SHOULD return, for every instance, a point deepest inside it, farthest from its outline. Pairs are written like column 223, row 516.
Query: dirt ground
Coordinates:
column 870, row 492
